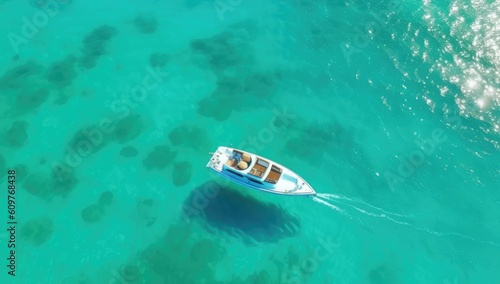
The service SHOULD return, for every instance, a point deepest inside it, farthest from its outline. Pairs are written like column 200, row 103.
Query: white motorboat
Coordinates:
column 258, row 173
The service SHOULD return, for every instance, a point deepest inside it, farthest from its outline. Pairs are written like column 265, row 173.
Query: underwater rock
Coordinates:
column 319, row 132
column 177, row 236
column 94, row 45
column 147, row 202
column 94, row 41
column 18, row 76
column 16, row 134
column 192, row 137
column 62, row 73
column 200, row 45
column 45, row 186
column 246, row 29
column 128, row 128
column 62, row 184
column 179, row 135
column 260, row 85
column 158, row 59
column 307, row 268
column 128, row 152
column 37, row 231
column 146, row 210
column 261, row 277
column 38, row 184
column 321, row 138
column 292, row 258
column 146, row 23
column 207, row 251
column 382, row 275
column 182, row 173
column 105, row 199
column 159, row 260
column 21, row 171
column 296, row 146
column 159, row 158
column 81, row 145
column 28, row 100
column 87, row 62
column 162, row 254
column 223, row 50
column 63, row 95
column 228, row 87
column 92, row 213
column 220, row 104
column 163, row 257
column 130, row 273
column 210, row 107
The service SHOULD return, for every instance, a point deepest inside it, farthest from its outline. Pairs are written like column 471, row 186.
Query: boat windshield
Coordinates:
column 274, row 175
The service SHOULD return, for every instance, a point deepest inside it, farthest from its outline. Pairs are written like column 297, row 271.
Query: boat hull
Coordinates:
column 289, row 184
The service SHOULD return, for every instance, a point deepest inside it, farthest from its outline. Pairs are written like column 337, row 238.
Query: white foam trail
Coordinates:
column 333, row 197
column 401, row 222
column 330, row 205
column 326, row 203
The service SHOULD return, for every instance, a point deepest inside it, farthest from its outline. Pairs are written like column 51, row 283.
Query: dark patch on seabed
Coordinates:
column 238, row 214
column 94, row 45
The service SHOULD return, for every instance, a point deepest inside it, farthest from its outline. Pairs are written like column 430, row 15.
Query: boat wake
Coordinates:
column 351, row 201
column 331, row 206
column 326, row 198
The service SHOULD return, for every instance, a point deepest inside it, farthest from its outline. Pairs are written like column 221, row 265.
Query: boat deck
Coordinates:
column 257, row 172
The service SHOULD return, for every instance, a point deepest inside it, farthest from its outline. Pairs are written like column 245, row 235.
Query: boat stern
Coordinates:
column 218, row 158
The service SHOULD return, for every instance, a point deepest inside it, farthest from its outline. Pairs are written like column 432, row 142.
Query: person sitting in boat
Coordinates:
column 237, row 156
column 239, row 161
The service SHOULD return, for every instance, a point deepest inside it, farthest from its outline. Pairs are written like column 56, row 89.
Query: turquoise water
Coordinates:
column 389, row 110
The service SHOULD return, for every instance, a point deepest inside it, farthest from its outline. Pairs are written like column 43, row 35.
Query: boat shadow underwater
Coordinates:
column 239, row 215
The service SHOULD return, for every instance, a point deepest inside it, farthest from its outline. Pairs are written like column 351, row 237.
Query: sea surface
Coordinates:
column 390, row 110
